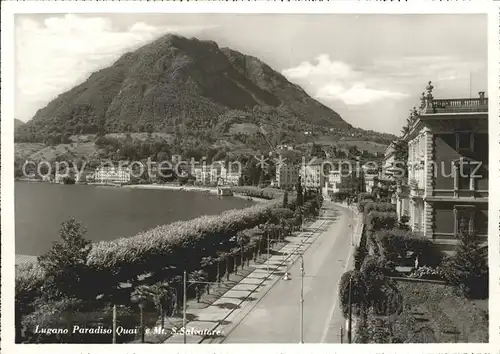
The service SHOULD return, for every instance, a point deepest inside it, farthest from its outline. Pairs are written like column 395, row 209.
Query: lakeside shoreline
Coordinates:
column 211, row 190
column 23, row 258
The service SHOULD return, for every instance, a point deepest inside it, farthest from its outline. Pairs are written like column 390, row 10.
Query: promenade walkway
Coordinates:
column 223, row 314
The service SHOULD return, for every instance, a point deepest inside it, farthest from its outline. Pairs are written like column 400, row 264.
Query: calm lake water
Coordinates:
column 106, row 212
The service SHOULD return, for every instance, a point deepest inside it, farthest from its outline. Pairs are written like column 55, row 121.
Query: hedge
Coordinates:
column 378, row 220
column 396, row 243
column 384, row 207
column 361, row 251
column 182, row 242
column 256, row 192
column 366, row 196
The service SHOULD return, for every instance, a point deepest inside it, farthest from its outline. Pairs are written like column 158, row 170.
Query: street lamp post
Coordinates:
column 301, row 299
column 184, row 298
column 141, row 302
column 349, row 323
column 268, row 251
column 352, row 227
column 184, row 301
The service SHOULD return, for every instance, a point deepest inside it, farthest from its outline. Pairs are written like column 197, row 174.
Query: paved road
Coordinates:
column 276, row 318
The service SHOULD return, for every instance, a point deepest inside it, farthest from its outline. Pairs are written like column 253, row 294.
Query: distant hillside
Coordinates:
column 193, row 96
column 18, row 123
column 179, row 85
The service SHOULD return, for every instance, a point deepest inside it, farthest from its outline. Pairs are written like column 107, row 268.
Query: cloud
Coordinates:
column 336, row 80
column 385, row 79
column 54, row 55
column 357, row 94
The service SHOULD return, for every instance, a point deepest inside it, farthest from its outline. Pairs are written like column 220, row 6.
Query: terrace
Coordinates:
column 459, row 105
column 431, row 105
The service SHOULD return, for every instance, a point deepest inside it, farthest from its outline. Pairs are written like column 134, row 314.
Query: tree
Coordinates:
column 370, row 288
column 206, row 262
column 156, row 294
column 65, row 264
column 401, row 157
column 468, row 269
column 242, row 238
column 198, row 276
column 261, row 177
column 285, row 199
column 300, row 197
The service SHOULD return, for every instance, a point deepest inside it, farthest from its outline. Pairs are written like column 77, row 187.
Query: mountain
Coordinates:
column 18, row 123
column 183, row 86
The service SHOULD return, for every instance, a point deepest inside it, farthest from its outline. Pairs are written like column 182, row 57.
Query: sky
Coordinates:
column 371, row 69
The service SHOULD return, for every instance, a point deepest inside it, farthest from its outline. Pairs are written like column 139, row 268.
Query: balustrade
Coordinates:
column 459, row 105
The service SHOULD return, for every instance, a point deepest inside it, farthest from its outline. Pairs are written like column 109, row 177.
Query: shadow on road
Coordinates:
column 228, row 305
column 244, row 298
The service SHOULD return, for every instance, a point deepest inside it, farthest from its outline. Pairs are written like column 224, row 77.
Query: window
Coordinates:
column 465, row 141
column 463, row 175
column 465, row 216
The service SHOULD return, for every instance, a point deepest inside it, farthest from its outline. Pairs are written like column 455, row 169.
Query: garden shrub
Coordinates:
column 371, row 288
column 361, row 205
column 361, row 250
column 357, row 292
column 426, row 272
column 366, row 196
column 468, row 268
column 359, row 256
column 28, row 287
column 396, row 243
column 372, row 243
column 377, row 220
column 384, row 207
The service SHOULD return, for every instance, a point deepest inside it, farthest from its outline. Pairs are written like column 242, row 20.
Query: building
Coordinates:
column 389, row 162
column 448, row 168
column 152, row 171
column 284, row 147
column 370, row 180
column 218, row 173
column 90, row 177
column 71, row 174
column 287, row 176
column 371, row 176
column 112, row 174
column 233, row 178
column 338, row 180
column 402, row 200
column 312, row 174
column 202, row 174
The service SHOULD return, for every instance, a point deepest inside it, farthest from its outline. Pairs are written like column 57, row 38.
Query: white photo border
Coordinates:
column 9, row 9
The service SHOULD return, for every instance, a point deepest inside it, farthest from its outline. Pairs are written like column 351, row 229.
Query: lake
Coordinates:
column 106, row 212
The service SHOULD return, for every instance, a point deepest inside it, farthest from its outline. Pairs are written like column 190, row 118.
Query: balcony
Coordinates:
column 458, row 105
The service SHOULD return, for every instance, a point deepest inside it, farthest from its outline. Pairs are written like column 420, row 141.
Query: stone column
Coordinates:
column 428, row 220
column 429, row 164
